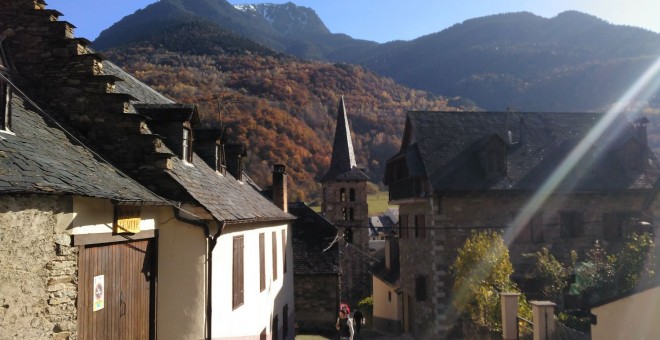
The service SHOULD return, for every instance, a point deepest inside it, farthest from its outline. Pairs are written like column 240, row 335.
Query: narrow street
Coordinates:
column 364, row 334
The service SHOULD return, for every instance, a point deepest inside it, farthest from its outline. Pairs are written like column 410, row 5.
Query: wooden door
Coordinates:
column 127, row 310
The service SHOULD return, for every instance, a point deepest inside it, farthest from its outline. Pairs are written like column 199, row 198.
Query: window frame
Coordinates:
column 186, row 145
column 5, row 105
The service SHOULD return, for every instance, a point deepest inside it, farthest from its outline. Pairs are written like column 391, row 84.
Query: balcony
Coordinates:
column 411, row 187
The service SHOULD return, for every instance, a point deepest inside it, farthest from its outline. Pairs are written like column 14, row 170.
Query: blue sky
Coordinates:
column 385, row 20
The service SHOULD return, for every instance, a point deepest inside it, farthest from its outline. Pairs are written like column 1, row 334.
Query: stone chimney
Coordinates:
column 280, row 197
column 235, row 154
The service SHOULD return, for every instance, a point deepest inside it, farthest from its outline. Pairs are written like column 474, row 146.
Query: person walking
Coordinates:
column 357, row 318
column 345, row 326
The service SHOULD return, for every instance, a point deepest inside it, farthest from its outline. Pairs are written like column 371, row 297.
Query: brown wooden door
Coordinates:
column 128, row 278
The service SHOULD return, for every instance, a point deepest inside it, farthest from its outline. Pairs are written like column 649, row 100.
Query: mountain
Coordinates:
column 520, row 61
column 285, row 28
column 284, row 108
column 572, row 62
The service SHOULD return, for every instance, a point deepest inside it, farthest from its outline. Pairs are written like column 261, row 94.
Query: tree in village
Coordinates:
column 601, row 275
column 550, row 276
column 481, row 272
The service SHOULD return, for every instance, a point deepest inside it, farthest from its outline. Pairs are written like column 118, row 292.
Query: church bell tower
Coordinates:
column 345, row 205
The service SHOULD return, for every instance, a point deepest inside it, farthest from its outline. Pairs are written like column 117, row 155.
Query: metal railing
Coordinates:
column 525, row 329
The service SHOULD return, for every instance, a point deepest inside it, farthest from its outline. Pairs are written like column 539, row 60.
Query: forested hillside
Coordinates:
column 282, row 107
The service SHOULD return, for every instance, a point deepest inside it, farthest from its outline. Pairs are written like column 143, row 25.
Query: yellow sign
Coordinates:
column 128, row 219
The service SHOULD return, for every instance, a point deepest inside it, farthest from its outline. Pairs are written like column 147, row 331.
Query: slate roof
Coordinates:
column 226, row 198
column 312, row 233
column 342, row 164
column 39, row 158
column 443, row 146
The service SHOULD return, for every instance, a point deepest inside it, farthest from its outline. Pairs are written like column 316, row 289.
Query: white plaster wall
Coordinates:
column 92, row 216
column 382, row 307
column 259, row 308
column 634, row 317
column 181, row 277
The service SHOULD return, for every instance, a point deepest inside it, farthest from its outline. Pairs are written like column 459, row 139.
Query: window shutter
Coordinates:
column 403, row 226
column 262, row 262
column 237, row 273
column 284, row 250
column 274, row 254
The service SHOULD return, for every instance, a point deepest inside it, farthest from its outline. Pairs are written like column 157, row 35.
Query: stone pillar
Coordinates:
column 543, row 315
column 509, row 315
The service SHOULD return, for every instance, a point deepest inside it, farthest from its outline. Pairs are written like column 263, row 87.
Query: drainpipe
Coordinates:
column 210, row 245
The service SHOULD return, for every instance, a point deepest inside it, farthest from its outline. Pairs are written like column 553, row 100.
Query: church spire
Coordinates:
column 343, row 156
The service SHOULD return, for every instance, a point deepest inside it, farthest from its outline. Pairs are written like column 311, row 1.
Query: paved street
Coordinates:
column 365, row 334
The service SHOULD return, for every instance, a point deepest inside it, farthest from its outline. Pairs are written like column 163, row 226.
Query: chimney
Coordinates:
column 234, row 156
column 279, row 187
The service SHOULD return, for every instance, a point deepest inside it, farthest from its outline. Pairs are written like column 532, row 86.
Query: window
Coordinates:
column 533, row 231
column 389, row 296
column 420, row 226
column 420, row 288
column 571, row 223
column 274, row 254
column 262, row 262
column 284, row 252
column 342, row 195
column 5, row 105
column 237, row 273
column 285, row 321
column 616, row 225
column 403, row 226
column 186, row 152
column 344, row 214
column 351, row 195
column 351, row 217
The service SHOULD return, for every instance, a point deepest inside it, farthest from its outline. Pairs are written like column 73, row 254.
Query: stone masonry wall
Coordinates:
column 453, row 218
column 38, row 268
column 356, row 282
column 317, row 301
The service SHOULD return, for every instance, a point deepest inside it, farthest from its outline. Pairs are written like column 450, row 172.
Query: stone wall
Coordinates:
column 317, row 301
column 38, row 268
column 356, row 283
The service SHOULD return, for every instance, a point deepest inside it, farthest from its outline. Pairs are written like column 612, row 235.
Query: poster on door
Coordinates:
column 99, row 292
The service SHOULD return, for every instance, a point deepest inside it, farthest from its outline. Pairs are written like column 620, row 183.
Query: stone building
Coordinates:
column 213, row 217
column 315, row 269
column 463, row 171
column 56, row 196
column 344, row 203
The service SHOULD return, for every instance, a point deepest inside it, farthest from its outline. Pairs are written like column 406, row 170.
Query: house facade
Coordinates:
column 77, row 233
column 207, row 220
column 457, row 172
